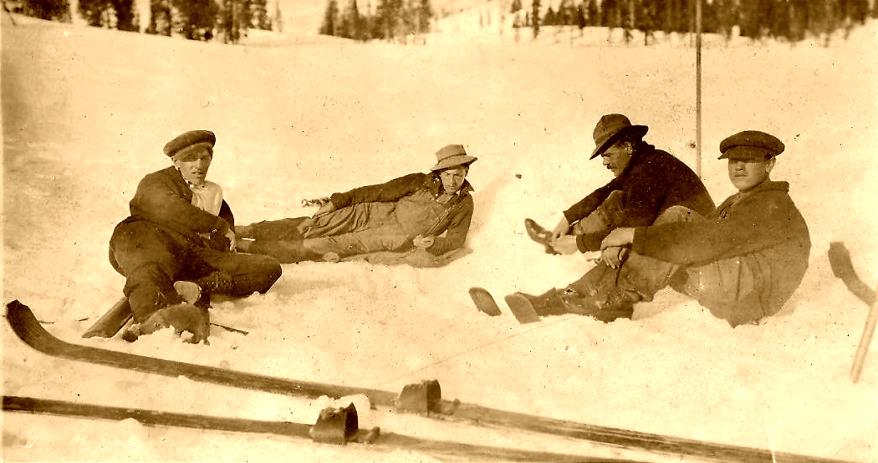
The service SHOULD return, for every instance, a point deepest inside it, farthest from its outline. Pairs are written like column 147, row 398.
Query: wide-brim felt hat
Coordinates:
column 751, row 145
column 452, row 156
column 610, row 128
column 190, row 141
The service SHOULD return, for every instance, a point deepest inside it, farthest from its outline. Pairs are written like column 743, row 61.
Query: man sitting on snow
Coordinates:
column 742, row 262
column 647, row 182
column 405, row 214
column 180, row 229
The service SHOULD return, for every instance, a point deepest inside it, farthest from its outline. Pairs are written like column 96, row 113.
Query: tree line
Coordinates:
column 391, row 19
column 791, row 20
column 192, row 19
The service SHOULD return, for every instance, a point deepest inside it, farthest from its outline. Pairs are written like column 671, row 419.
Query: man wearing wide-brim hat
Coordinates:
column 177, row 246
column 426, row 212
column 646, row 181
column 742, row 261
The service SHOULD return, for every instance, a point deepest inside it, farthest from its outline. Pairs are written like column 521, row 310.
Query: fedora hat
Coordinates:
column 610, row 128
column 452, row 156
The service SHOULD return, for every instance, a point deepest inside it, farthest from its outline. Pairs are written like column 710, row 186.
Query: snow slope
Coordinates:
column 86, row 112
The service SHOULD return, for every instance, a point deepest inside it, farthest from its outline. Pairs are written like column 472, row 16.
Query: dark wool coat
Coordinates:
column 761, row 225
column 653, row 181
column 417, row 210
column 165, row 199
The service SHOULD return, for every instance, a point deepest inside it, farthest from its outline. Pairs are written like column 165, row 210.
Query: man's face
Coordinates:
column 746, row 174
column 452, row 179
column 617, row 157
column 193, row 166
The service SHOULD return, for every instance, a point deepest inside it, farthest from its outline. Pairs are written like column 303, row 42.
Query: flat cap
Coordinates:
column 751, row 145
column 190, row 141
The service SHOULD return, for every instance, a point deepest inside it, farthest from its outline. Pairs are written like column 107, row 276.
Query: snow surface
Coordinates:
column 86, row 112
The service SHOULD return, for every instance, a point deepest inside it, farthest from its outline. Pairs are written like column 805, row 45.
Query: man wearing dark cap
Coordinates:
column 179, row 241
column 742, row 261
column 408, row 213
column 646, row 182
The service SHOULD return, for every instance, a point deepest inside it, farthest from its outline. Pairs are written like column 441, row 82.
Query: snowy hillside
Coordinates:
column 86, row 112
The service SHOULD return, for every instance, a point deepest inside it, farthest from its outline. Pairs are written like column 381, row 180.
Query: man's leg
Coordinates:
column 351, row 219
column 607, row 293
column 283, row 229
column 386, row 238
column 149, row 261
column 729, row 288
column 233, row 274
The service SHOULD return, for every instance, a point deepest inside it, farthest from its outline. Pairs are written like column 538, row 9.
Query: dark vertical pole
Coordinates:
column 698, row 87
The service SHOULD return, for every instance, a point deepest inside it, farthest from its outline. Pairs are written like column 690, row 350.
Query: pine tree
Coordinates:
column 160, row 17
column 535, row 17
column 330, row 19
column 425, row 15
column 54, row 10
column 516, row 6
column 196, row 18
column 593, row 13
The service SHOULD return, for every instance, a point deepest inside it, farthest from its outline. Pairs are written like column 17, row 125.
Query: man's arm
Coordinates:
column 157, row 201
column 385, row 192
column 755, row 225
column 587, row 205
column 457, row 230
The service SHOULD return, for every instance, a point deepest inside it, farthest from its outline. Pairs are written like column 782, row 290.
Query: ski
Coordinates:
column 373, row 439
column 28, row 329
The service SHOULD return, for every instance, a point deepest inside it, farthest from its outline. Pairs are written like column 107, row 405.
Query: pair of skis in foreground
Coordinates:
column 28, row 329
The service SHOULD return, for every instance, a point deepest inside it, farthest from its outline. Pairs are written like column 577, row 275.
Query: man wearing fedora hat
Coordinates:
column 177, row 246
column 646, row 182
column 742, row 261
column 406, row 213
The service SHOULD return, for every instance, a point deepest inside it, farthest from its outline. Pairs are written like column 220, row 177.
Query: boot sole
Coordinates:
column 484, row 301
column 522, row 308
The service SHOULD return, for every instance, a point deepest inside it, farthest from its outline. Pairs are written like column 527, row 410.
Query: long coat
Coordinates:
column 761, row 226
column 164, row 199
column 653, row 181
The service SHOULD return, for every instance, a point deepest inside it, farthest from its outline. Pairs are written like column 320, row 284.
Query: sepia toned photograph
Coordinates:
column 439, row 230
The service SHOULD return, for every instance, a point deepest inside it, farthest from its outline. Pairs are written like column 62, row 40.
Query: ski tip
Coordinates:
column 484, row 301
column 522, row 308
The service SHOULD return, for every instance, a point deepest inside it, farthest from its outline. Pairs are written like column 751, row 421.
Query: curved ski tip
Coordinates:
column 16, row 306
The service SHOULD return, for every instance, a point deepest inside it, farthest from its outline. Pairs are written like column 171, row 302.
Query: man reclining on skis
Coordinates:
column 179, row 241
column 646, row 182
column 742, row 261
column 404, row 214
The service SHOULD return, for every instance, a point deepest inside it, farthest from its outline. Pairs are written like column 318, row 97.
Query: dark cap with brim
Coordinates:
column 751, row 145
column 189, row 142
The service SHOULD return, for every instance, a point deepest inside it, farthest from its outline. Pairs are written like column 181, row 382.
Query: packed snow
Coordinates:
column 86, row 112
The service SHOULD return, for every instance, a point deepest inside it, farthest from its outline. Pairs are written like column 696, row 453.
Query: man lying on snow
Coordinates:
column 405, row 214
column 180, row 237
column 742, row 262
column 647, row 182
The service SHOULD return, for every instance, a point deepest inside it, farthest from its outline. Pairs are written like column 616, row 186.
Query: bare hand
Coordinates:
column 565, row 244
column 614, row 256
column 561, row 229
column 618, row 237
column 423, row 242
column 325, row 209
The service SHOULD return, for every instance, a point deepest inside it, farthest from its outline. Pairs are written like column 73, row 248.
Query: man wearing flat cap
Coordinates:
column 178, row 245
column 742, row 261
column 646, row 182
column 408, row 213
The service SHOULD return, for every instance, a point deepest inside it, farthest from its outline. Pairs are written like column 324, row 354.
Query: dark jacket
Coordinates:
column 653, row 181
column 417, row 210
column 762, row 225
column 165, row 199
